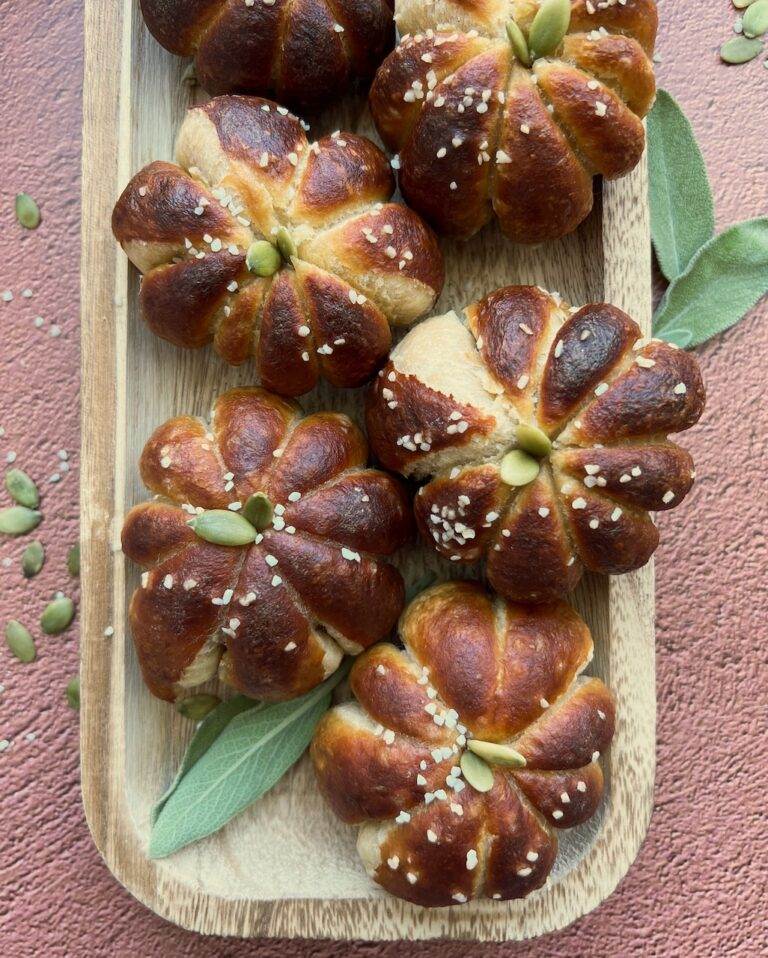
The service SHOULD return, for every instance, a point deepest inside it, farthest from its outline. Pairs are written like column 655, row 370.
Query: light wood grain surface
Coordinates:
column 286, row 867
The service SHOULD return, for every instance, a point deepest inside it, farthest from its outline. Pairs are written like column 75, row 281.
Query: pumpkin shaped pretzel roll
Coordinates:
column 304, row 52
column 543, row 432
column 509, row 108
column 275, row 248
column 263, row 549
column 464, row 752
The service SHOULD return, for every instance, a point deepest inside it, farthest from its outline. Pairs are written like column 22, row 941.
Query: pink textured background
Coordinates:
column 698, row 887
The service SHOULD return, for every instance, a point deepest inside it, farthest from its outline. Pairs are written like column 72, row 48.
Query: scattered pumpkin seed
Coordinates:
column 27, row 211
column 258, row 511
column 73, row 560
column 496, row 754
column 57, row 616
column 740, row 50
column 196, row 707
column 549, row 27
column 18, row 520
column 755, row 22
column 285, row 243
column 223, row 528
column 262, row 258
column 32, row 559
column 741, row 4
column 518, row 468
column 72, row 693
column 518, row 42
column 532, row 440
column 22, row 488
column 477, row 772
column 20, row 642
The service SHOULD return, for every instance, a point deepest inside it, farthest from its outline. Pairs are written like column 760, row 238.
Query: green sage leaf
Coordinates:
column 682, row 213
column 206, row 734
column 196, row 707
column 27, row 211
column 20, row 642
column 724, row 281
column 22, row 488
column 18, row 520
column 57, row 616
column 32, row 559
column 248, row 757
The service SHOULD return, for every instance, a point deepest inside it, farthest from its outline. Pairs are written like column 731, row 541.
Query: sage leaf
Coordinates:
column 682, row 214
column 196, row 707
column 250, row 755
column 724, row 281
column 207, row 732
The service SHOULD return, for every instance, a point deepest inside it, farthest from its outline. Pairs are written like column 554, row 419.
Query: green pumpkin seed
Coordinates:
column 285, row 244
column 223, row 528
column 755, row 22
column 549, row 27
column 741, row 4
column 258, row 511
column 18, row 520
column 262, row 258
column 32, row 559
column 477, row 772
column 196, row 707
column 22, row 488
column 72, row 693
column 57, row 616
column 518, row 468
column 532, row 440
column 518, row 42
column 740, row 50
column 496, row 754
column 27, row 211
column 73, row 560
column 20, row 642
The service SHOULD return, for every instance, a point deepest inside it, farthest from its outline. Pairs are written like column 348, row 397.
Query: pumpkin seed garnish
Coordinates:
column 477, row 772
column 532, row 440
column 549, row 27
column 755, row 22
column 285, row 244
column 518, row 468
column 258, row 511
column 223, row 528
column 72, row 693
column 22, row 488
column 262, row 258
column 73, row 560
column 740, row 4
column 196, row 707
column 20, row 642
column 18, row 520
column 27, row 211
column 518, row 42
column 32, row 559
column 57, row 616
column 496, row 754
column 740, row 50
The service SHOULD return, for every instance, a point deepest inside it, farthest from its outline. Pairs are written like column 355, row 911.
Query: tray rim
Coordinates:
column 104, row 274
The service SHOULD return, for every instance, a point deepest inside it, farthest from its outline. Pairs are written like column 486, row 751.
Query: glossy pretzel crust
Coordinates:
column 472, row 667
column 245, row 169
column 304, row 52
column 480, row 135
column 606, row 397
column 273, row 618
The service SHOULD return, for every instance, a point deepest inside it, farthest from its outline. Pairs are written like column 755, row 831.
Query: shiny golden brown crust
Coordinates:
column 481, row 134
column 246, row 169
column 473, row 667
column 605, row 397
column 275, row 616
column 305, row 52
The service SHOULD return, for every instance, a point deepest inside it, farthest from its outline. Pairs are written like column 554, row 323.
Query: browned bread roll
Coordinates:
column 476, row 673
column 482, row 134
column 305, row 52
column 274, row 615
column 275, row 248
column 544, row 429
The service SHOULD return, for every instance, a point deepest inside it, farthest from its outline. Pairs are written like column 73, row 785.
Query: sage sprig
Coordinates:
column 245, row 759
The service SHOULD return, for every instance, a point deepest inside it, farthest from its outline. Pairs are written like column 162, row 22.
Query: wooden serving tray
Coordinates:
column 286, row 867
